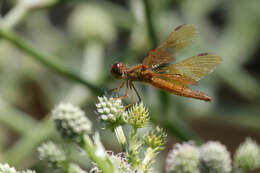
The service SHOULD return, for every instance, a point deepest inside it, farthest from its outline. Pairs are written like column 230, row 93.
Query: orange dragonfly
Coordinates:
column 158, row 71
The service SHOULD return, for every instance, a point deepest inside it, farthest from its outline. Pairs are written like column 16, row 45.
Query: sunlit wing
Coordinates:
column 195, row 67
column 181, row 37
column 177, row 79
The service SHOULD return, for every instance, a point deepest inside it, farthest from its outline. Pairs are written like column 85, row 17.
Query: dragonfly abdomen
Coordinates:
column 178, row 89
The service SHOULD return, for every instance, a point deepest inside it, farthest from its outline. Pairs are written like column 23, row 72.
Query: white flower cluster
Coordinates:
column 212, row 157
column 183, row 158
column 111, row 111
column 247, row 155
column 215, row 158
column 51, row 153
column 71, row 121
column 5, row 168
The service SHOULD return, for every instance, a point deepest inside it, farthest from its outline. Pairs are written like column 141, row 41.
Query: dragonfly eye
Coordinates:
column 117, row 71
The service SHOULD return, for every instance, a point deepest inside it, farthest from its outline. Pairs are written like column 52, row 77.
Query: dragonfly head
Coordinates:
column 117, row 70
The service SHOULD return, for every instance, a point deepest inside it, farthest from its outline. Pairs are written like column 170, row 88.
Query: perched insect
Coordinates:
column 158, row 71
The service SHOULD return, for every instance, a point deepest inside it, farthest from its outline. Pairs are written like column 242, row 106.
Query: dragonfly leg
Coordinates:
column 126, row 92
column 116, row 89
column 132, row 94
column 139, row 98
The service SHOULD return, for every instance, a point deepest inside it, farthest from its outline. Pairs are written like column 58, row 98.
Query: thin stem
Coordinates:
column 47, row 60
column 133, row 134
column 121, row 138
column 150, row 24
column 149, row 156
column 101, row 162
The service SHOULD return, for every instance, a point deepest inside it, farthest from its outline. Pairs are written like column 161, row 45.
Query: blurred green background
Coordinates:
column 88, row 36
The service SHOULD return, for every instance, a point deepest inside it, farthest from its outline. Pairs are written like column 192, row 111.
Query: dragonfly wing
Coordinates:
column 177, row 79
column 157, row 57
column 181, row 37
column 195, row 67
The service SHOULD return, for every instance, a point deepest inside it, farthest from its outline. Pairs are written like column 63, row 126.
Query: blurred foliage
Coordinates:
column 87, row 37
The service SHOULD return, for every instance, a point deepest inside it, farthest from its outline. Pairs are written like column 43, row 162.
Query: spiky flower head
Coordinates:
column 138, row 116
column 156, row 139
column 111, row 111
column 5, row 168
column 214, row 158
column 74, row 168
column 183, row 158
column 120, row 163
column 51, row 153
column 71, row 121
column 247, row 156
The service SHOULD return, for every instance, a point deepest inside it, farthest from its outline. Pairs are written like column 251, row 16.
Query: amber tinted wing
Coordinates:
column 181, row 37
column 177, row 79
column 195, row 67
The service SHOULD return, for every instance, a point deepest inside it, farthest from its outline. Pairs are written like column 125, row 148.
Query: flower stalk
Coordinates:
column 97, row 154
column 121, row 138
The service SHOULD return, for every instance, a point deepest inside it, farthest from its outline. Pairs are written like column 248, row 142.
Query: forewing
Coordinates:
column 157, row 57
column 181, row 37
column 195, row 67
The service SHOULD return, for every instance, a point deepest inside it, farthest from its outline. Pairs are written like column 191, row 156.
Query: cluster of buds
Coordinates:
column 112, row 112
column 51, row 153
column 71, row 121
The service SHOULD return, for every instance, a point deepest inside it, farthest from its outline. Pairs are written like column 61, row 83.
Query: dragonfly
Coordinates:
column 158, row 69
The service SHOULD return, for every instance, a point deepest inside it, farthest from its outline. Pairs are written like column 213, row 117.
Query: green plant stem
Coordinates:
column 149, row 22
column 133, row 134
column 90, row 148
column 121, row 138
column 47, row 60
